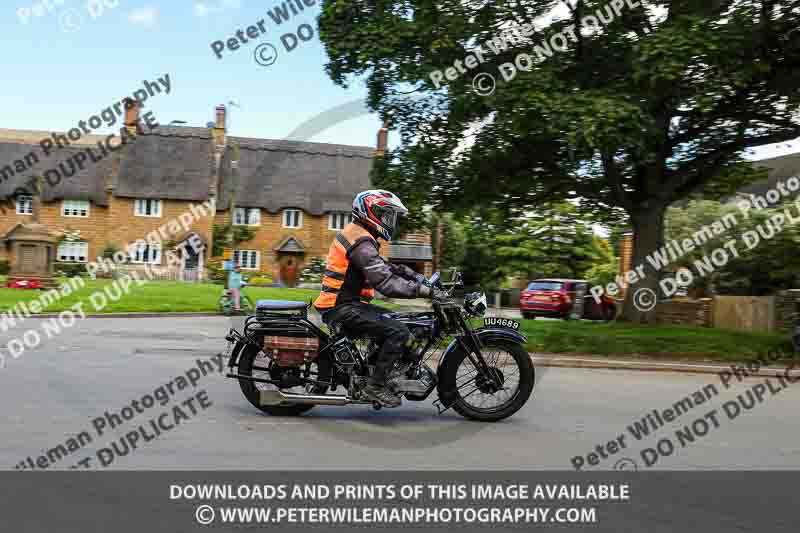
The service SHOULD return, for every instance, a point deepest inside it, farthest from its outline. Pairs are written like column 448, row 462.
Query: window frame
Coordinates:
column 347, row 218
column 247, row 212
column 65, row 209
column 286, row 212
column 72, row 243
column 19, row 204
column 147, row 257
column 137, row 202
column 237, row 259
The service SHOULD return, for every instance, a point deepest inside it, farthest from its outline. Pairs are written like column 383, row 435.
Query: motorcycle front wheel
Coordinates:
column 474, row 396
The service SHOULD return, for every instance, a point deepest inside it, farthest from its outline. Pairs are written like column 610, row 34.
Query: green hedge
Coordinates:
column 70, row 270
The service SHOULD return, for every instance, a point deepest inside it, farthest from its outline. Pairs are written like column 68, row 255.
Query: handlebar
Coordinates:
column 435, row 281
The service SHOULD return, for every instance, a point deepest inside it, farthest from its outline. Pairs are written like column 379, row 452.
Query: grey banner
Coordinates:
column 153, row 502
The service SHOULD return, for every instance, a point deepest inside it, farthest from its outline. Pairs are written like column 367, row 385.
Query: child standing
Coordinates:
column 235, row 286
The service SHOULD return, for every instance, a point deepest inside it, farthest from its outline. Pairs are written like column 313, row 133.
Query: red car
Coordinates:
column 554, row 298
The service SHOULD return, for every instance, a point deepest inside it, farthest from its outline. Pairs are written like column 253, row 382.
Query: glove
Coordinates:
column 439, row 294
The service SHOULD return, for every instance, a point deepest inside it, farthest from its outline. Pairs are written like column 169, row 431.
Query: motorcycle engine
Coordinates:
column 415, row 382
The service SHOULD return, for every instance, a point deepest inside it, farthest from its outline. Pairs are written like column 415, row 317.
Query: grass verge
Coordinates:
column 660, row 341
column 544, row 336
column 154, row 297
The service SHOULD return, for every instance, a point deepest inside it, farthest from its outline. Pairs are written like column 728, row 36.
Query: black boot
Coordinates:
column 377, row 392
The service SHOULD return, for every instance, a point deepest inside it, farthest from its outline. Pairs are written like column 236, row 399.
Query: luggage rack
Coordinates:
column 283, row 318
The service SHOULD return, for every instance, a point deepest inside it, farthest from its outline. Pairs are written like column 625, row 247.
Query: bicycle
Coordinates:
column 225, row 302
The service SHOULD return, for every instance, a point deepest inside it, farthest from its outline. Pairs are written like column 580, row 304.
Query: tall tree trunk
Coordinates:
column 648, row 236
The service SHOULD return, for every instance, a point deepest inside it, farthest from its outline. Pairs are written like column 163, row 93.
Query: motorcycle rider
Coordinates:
column 355, row 269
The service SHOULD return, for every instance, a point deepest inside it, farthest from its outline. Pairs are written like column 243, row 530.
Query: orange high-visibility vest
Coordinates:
column 336, row 265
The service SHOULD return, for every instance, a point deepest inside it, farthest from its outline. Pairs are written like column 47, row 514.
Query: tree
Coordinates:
column 452, row 248
column 479, row 266
column 759, row 262
column 605, row 265
column 548, row 243
column 630, row 113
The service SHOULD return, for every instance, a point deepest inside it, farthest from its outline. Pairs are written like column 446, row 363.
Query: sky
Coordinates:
column 66, row 60
column 69, row 62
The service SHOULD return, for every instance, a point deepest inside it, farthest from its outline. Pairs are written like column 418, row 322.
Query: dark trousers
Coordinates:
column 366, row 320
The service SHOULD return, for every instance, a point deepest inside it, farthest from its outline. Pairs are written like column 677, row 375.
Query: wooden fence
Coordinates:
column 745, row 313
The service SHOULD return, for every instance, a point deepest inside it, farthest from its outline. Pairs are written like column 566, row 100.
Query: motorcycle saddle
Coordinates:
column 279, row 305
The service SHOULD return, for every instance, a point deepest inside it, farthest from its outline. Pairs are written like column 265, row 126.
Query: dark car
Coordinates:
column 555, row 298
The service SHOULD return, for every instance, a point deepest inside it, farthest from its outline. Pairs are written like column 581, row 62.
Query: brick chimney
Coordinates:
column 220, row 123
column 132, row 108
column 383, row 140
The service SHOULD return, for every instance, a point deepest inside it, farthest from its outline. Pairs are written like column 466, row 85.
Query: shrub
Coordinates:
column 215, row 272
column 70, row 270
column 228, row 236
column 5, row 268
column 313, row 272
column 110, row 249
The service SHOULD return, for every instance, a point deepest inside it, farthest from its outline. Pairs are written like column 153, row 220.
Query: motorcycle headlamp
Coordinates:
column 475, row 303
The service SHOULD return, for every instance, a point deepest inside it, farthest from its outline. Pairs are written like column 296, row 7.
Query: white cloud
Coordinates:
column 146, row 16
column 202, row 9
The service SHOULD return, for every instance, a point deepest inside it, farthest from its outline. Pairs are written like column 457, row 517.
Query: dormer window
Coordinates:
column 337, row 221
column 292, row 218
column 147, row 207
column 24, row 204
column 247, row 216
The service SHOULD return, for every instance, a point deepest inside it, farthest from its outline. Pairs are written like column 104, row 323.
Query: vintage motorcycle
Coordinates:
column 286, row 365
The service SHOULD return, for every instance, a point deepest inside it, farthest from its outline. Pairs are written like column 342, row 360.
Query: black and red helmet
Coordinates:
column 379, row 211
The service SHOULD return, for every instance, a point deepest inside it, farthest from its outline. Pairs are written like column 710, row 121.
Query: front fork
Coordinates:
column 472, row 347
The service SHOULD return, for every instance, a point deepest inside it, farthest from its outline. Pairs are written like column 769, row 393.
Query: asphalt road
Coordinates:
column 51, row 394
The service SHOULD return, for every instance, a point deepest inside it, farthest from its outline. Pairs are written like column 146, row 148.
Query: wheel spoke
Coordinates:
column 504, row 369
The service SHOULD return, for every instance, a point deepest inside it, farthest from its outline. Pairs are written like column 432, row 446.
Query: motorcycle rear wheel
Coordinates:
column 460, row 380
column 251, row 390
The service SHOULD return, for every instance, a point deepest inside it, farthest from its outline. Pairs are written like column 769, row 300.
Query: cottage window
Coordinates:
column 75, row 208
column 73, row 252
column 247, row 216
column 247, row 259
column 146, row 253
column 337, row 221
column 292, row 218
column 147, row 208
column 24, row 204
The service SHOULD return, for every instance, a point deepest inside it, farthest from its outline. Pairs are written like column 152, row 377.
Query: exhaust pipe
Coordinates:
column 276, row 397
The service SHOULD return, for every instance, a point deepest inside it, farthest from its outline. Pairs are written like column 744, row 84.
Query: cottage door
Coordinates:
column 191, row 263
column 27, row 258
column 289, row 269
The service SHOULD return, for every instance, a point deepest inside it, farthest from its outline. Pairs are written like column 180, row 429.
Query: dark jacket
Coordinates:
column 354, row 266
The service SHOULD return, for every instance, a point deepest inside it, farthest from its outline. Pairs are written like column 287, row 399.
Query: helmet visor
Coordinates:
column 388, row 218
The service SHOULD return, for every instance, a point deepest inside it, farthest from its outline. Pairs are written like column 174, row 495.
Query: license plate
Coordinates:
column 494, row 322
column 542, row 298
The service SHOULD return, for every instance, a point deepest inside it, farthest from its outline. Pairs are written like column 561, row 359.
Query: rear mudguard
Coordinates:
column 485, row 335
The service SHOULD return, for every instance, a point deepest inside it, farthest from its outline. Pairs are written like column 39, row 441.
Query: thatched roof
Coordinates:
column 86, row 184
column 178, row 163
column 273, row 175
column 173, row 163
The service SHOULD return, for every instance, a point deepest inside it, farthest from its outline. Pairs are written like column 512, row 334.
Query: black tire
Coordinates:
column 449, row 373
column 251, row 392
column 528, row 316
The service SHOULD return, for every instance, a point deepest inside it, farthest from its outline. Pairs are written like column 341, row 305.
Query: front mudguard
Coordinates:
column 485, row 335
